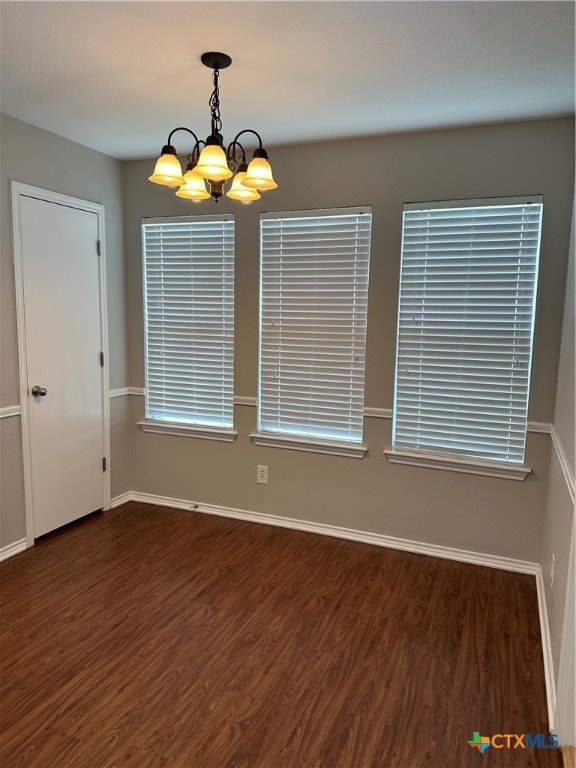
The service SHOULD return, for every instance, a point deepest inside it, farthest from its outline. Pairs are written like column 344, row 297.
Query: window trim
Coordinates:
column 187, row 430
column 309, row 445
column 454, row 464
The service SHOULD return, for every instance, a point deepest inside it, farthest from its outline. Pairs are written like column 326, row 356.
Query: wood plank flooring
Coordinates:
column 146, row 637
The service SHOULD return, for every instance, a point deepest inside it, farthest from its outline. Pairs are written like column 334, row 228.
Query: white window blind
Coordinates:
column 189, row 319
column 466, row 318
column 313, row 304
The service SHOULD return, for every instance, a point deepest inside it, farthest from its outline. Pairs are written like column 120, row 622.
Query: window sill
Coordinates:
column 351, row 450
column 188, row 430
column 449, row 464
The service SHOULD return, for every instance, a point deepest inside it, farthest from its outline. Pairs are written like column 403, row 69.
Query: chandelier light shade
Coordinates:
column 168, row 170
column 211, row 164
column 238, row 191
column 259, row 174
column 194, row 187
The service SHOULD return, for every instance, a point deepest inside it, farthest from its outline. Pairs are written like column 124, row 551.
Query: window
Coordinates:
column 465, row 325
column 313, row 303
column 189, row 325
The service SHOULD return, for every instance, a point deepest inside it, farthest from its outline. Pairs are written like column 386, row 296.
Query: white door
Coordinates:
column 62, row 345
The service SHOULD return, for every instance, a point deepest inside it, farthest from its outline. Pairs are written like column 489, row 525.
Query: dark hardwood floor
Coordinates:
column 146, row 637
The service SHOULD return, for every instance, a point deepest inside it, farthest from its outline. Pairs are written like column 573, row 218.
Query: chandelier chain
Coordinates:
column 214, row 104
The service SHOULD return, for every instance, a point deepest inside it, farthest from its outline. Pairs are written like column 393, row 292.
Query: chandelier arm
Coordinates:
column 198, row 142
column 231, row 155
column 193, row 158
column 248, row 130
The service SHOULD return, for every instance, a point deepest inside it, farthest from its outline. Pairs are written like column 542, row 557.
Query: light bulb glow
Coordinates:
column 194, row 189
column 212, row 164
column 259, row 175
column 239, row 192
column 167, row 171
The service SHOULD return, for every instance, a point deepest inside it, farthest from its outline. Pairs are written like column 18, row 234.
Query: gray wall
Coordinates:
column 42, row 159
column 499, row 517
column 564, row 418
column 559, row 518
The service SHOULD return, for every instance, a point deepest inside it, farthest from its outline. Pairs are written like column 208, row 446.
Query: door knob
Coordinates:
column 39, row 391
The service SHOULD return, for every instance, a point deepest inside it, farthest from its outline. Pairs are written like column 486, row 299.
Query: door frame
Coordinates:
column 19, row 191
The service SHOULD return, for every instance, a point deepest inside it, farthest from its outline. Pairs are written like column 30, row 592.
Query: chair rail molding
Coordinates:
column 10, row 410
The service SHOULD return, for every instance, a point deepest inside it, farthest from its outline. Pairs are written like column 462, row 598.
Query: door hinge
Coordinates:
column 102, row 359
column 104, row 464
column 98, row 247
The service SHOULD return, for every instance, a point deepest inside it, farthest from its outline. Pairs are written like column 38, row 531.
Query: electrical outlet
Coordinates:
column 262, row 474
column 552, row 570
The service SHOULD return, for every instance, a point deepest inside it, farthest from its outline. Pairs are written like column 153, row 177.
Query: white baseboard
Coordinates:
column 377, row 539
column 123, row 498
column 13, row 549
column 546, row 649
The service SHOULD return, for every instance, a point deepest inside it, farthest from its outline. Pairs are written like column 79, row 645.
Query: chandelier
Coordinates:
column 210, row 162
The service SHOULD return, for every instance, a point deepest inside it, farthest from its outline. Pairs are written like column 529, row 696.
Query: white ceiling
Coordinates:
column 118, row 76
